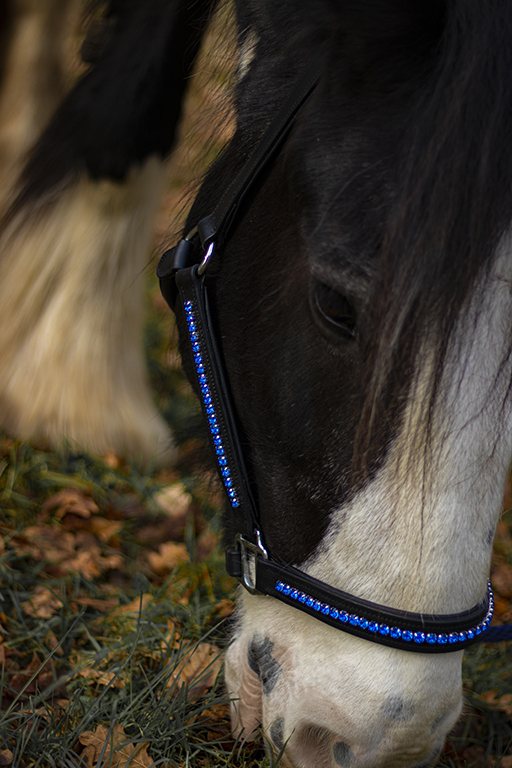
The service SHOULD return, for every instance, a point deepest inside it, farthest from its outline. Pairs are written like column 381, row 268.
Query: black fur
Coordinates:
column 394, row 189
column 128, row 105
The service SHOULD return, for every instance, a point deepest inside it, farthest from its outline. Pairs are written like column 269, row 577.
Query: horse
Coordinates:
column 349, row 333
column 82, row 157
column 359, row 317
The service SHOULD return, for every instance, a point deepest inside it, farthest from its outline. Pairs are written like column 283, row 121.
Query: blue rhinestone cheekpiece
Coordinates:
column 394, row 633
column 209, row 408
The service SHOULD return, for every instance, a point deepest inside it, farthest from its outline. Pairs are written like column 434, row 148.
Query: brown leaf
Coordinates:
column 174, row 500
column 201, row 661
column 224, row 608
column 119, row 754
column 70, row 500
column 169, row 555
column 44, row 542
column 104, row 529
column 103, row 606
column 502, row 579
column 43, row 678
column 135, row 607
column 504, row 703
column 42, row 603
column 102, row 678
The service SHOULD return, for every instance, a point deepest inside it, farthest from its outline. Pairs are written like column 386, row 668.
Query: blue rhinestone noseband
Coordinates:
column 182, row 282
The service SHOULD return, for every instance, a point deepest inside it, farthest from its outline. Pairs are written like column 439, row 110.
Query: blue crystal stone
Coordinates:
column 294, row 594
column 334, row 613
column 222, row 460
column 343, row 617
column 214, row 430
column 317, row 605
column 373, row 626
column 287, row 589
column 442, row 639
column 383, row 629
column 419, row 637
column 407, row 636
column 302, row 597
column 209, row 409
column 364, row 623
column 478, row 630
column 396, row 633
column 203, row 379
column 225, row 472
column 309, row 602
column 471, row 634
column 325, row 609
column 453, row 637
column 462, row 636
column 197, row 357
column 235, row 503
column 431, row 638
column 279, row 586
column 354, row 620
column 228, row 482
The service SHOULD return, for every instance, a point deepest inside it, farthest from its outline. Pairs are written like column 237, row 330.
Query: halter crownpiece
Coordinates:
column 248, row 560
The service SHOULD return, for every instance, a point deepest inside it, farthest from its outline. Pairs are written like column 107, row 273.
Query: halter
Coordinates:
column 260, row 571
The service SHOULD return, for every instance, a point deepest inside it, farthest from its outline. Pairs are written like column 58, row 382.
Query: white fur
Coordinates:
column 71, row 317
column 416, row 538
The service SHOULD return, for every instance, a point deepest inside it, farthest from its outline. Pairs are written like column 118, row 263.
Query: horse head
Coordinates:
column 361, row 304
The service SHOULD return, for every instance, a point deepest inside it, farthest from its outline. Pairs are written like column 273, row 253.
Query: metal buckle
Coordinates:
column 206, row 258
column 247, row 548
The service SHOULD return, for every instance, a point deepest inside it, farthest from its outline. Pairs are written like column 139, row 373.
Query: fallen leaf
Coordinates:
column 169, row 555
column 174, row 500
column 102, row 678
column 505, row 762
column 6, row 757
column 502, row 579
column 224, row 608
column 42, row 603
column 104, row 529
column 198, row 669
column 135, row 606
column 70, row 500
column 504, row 703
column 102, row 605
column 119, row 752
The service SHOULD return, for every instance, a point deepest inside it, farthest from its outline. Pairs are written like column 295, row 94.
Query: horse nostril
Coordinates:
column 317, row 747
column 342, row 754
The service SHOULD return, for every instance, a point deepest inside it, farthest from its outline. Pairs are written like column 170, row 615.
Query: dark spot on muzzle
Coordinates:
column 277, row 732
column 397, row 709
column 343, row 755
column 261, row 661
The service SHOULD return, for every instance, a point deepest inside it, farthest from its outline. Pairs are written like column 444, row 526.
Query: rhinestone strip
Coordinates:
column 209, row 408
column 374, row 628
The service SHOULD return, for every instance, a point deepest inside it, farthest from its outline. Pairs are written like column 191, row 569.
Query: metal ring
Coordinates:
column 206, row 258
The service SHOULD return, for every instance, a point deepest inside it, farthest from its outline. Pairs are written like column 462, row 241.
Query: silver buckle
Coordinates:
column 248, row 549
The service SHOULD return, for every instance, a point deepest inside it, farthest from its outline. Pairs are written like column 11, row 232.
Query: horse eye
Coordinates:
column 333, row 311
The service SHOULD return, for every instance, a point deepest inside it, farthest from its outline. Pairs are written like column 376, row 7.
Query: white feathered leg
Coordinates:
column 71, row 318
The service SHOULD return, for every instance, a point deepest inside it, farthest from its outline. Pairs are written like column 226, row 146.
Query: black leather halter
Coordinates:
column 260, row 571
